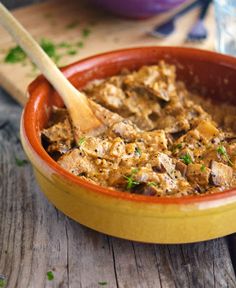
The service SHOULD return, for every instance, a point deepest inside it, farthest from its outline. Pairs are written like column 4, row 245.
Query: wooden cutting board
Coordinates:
column 78, row 30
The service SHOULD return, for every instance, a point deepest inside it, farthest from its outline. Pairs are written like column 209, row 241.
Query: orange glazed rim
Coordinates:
column 29, row 127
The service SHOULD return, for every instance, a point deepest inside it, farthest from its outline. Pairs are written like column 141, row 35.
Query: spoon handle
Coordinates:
column 67, row 91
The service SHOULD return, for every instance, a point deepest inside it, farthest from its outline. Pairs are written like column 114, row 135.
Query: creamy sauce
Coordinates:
column 160, row 140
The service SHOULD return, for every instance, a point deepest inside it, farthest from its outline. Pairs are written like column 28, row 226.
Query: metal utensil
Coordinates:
column 199, row 32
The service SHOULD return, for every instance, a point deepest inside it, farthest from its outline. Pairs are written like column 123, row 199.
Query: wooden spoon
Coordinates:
column 82, row 116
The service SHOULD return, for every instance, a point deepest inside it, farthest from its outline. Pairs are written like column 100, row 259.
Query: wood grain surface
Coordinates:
column 36, row 238
column 61, row 21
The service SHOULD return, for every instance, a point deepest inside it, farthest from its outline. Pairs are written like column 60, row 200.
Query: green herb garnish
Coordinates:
column 102, row 283
column 186, row 158
column 48, row 47
column 20, row 162
column 134, row 171
column 203, row 168
column 222, row 152
column 72, row 25
column 177, row 146
column 81, row 141
column 80, row 44
column 131, row 183
column 138, row 151
column 152, row 184
column 86, row 32
column 50, row 275
column 64, row 45
column 71, row 52
column 14, row 55
column 3, row 282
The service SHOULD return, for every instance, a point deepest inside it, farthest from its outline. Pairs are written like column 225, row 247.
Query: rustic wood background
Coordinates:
column 50, row 20
column 36, row 238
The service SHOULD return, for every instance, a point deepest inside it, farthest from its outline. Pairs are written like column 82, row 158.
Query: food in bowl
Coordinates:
column 159, row 138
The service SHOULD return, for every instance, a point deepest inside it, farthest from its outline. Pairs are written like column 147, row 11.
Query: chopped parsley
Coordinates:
column 2, row 282
column 64, row 45
column 186, row 158
column 50, row 275
column 72, row 25
column 81, row 141
column 102, row 283
column 72, row 52
column 152, row 184
column 177, row 146
column 14, row 55
column 131, row 183
column 20, row 162
column 48, row 47
column 86, row 32
column 203, row 168
column 222, row 152
column 138, row 151
column 80, row 44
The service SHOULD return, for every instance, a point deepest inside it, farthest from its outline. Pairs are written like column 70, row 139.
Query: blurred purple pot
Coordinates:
column 137, row 8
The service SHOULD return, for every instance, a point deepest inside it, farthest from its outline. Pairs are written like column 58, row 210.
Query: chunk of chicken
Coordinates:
column 221, row 174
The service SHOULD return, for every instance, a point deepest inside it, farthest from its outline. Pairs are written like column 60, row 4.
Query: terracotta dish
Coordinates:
column 125, row 215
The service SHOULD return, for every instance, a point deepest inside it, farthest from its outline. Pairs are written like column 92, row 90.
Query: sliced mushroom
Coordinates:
column 181, row 167
column 221, row 174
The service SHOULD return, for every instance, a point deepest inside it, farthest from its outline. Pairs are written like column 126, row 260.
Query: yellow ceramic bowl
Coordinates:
column 125, row 215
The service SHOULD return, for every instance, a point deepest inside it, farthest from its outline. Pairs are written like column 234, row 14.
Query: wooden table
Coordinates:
column 36, row 238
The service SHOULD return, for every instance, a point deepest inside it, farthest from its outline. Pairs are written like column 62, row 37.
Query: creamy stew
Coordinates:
column 159, row 139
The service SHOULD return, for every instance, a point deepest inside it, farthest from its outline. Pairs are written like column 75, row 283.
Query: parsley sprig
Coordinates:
column 102, row 283
column 222, row 152
column 203, row 168
column 186, row 158
column 50, row 275
column 152, row 184
column 81, row 141
column 20, row 162
column 14, row 55
column 131, row 183
column 2, row 282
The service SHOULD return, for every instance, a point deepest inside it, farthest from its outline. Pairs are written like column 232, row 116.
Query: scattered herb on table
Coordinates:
column 186, row 158
column 14, row 55
column 72, row 52
column 50, row 275
column 102, row 283
column 2, row 282
column 48, row 47
column 80, row 44
column 86, row 32
column 72, row 25
column 20, row 162
column 64, row 45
